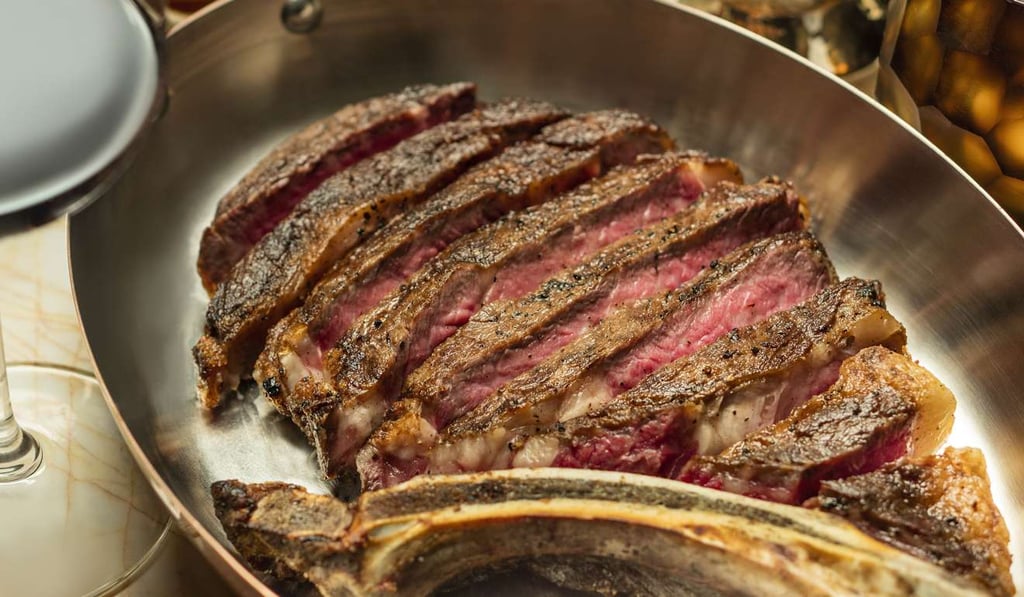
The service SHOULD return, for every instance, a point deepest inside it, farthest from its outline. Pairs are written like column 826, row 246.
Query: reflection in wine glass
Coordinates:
column 81, row 83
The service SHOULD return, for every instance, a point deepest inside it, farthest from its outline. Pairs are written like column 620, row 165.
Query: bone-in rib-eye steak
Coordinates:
column 269, row 192
column 560, row 157
column 436, row 286
column 337, row 216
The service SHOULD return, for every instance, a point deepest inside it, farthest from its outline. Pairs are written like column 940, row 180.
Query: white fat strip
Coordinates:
column 749, row 409
column 474, row 453
column 294, row 367
column 360, row 419
column 537, row 451
column 294, row 370
column 425, row 435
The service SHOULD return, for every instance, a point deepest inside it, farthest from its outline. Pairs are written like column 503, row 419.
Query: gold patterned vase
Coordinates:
column 955, row 70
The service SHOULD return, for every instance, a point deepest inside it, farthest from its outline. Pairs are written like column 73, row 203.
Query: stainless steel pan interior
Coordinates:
column 887, row 205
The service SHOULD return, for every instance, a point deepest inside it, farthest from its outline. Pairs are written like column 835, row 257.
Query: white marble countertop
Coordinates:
column 39, row 325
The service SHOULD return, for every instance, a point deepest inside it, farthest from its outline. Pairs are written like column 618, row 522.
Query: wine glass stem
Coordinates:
column 20, row 454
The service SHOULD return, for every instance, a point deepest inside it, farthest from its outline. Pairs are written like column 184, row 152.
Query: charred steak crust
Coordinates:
column 700, row 404
column 281, row 528
column 367, row 367
column 883, row 407
column 510, row 337
column 337, row 216
column 560, row 157
column 937, row 507
column 272, row 188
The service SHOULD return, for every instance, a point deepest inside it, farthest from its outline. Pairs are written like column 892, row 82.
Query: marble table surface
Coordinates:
column 39, row 325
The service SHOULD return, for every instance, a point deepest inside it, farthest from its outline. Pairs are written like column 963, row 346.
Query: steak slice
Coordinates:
column 936, row 507
column 508, row 338
column 503, row 260
column 296, row 166
column 883, row 407
column 561, row 157
column 749, row 284
column 338, row 215
column 701, row 404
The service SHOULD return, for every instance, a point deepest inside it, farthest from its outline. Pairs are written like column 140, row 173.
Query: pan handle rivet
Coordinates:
column 301, row 16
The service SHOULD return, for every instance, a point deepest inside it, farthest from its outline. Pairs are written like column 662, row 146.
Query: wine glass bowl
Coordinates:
column 81, row 86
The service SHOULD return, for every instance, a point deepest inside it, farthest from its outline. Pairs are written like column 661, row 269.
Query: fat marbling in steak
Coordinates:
column 701, row 404
column 746, row 286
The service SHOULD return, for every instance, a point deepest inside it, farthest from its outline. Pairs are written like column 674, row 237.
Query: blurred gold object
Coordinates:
column 842, row 36
column 1007, row 141
column 970, row 91
column 955, row 69
column 920, row 61
column 966, row 148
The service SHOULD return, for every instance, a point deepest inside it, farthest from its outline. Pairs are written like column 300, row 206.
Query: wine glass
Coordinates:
column 81, row 83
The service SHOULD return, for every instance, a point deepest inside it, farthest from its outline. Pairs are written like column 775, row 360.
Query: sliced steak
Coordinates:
column 561, row 157
column 937, row 507
column 748, row 285
column 703, row 403
column 337, row 216
column 510, row 337
column 883, row 407
column 269, row 192
column 504, row 260
column 507, row 338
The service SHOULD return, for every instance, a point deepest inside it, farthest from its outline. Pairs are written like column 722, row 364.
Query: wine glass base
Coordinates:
column 22, row 460
column 85, row 522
